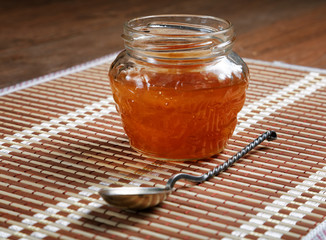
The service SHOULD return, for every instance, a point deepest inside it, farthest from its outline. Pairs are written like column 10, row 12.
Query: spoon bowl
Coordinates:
column 138, row 198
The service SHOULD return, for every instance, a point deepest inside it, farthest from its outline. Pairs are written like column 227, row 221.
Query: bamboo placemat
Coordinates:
column 61, row 141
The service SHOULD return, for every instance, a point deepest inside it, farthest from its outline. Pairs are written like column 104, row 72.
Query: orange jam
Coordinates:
column 178, row 85
column 178, row 114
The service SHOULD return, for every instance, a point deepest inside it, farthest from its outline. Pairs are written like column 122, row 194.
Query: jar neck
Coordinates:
column 178, row 39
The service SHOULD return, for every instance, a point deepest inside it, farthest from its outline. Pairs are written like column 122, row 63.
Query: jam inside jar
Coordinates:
column 178, row 85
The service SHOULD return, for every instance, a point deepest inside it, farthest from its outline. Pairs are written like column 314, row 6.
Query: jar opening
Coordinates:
column 178, row 37
column 187, row 25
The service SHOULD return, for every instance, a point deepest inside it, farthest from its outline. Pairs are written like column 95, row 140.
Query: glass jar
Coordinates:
column 178, row 85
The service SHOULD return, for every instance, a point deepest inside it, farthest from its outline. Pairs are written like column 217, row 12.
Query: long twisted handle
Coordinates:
column 269, row 135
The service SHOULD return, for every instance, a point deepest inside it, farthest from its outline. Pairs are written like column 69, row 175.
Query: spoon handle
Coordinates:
column 269, row 135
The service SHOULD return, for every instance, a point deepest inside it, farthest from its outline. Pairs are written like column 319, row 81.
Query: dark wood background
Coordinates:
column 42, row 36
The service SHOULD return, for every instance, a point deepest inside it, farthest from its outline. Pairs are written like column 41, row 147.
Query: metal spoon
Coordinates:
column 138, row 198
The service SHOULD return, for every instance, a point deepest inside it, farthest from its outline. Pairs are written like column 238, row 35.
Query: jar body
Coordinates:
column 179, row 111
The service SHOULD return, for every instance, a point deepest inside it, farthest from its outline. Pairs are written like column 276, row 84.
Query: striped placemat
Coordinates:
column 61, row 141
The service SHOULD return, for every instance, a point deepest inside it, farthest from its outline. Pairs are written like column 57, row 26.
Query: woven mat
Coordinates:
column 61, row 141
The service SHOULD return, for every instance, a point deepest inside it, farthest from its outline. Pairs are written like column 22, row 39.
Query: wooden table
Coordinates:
column 40, row 37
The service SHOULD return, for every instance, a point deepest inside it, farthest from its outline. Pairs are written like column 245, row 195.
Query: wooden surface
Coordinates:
column 40, row 37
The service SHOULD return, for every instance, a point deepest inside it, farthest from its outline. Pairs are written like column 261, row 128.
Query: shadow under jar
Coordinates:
column 178, row 85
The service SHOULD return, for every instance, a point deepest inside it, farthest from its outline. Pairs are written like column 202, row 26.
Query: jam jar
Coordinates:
column 178, row 85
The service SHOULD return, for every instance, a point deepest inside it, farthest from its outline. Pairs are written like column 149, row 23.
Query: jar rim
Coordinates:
column 204, row 29
column 181, row 38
